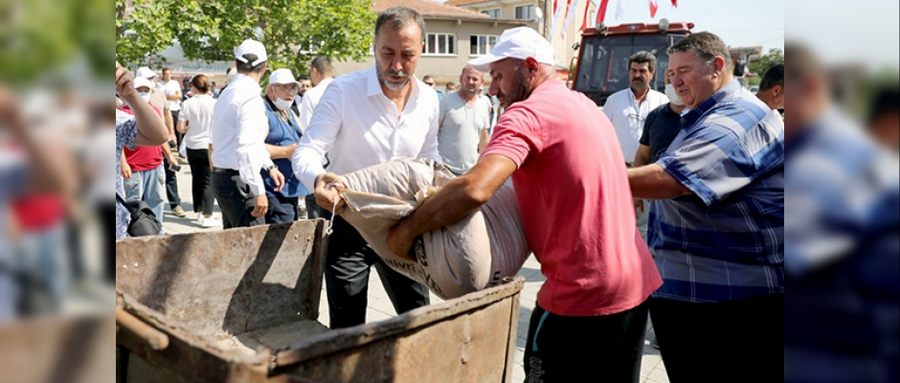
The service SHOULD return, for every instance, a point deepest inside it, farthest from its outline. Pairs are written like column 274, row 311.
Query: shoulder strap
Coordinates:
column 128, row 206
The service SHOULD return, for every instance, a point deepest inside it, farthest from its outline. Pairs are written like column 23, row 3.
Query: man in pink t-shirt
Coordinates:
column 576, row 207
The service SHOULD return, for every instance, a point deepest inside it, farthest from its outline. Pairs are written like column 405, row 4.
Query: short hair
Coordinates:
column 248, row 67
column 704, row 44
column 885, row 101
column 399, row 17
column 803, row 62
column 322, row 64
column 201, row 82
column 302, row 77
column 643, row 57
column 166, row 69
column 427, row 77
column 773, row 76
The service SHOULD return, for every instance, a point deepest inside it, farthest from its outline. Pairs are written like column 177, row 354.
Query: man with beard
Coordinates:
column 363, row 119
column 576, row 211
column 464, row 123
column 628, row 110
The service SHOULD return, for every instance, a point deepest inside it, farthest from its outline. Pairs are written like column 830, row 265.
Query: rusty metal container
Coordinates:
column 241, row 305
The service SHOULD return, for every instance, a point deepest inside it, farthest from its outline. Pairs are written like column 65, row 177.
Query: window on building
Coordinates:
column 492, row 13
column 481, row 44
column 440, row 44
column 525, row 12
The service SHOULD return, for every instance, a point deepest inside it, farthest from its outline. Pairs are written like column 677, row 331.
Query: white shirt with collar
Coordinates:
column 239, row 131
column 358, row 126
column 628, row 116
column 310, row 100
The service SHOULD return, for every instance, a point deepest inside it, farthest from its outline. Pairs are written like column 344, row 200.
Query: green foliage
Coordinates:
column 759, row 67
column 209, row 30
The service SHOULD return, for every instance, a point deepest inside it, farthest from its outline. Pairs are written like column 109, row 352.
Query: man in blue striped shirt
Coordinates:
column 717, row 224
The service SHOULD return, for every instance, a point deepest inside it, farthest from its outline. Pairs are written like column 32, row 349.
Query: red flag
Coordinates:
column 584, row 19
column 653, row 8
column 601, row 13
column 675, row 3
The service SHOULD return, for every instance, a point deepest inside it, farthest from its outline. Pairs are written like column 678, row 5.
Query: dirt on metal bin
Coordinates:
column 241, row 305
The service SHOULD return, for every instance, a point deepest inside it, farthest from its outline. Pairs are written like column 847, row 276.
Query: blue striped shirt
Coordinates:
column 724, row 241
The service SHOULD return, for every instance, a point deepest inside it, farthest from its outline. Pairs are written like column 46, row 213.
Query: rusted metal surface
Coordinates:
column 230, row 281
column 259, row 288
column 154, row 338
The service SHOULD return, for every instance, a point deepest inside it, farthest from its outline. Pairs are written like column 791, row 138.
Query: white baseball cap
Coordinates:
column 520, row 43
column 251, row 46
column 142, row 81
column 144, row 72
column 282, row 76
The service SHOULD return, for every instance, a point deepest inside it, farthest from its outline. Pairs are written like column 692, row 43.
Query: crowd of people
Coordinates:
column 665, row 205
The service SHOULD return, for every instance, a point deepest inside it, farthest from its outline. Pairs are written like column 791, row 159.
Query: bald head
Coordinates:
column 470, row 80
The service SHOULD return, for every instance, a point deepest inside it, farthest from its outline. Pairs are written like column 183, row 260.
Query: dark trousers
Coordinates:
column 235, row 199
column 604, row 348
column 281, row 209
column 692, row 338
column 178, row 135
column 347, row 279
column 171, row 185
column 107, row 217
column 201, row 187
column 313, row 210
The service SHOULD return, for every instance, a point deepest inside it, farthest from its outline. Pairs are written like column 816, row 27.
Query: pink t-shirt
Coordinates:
column 575, row 202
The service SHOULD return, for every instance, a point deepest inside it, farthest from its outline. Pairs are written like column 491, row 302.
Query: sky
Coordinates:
column 739, row 23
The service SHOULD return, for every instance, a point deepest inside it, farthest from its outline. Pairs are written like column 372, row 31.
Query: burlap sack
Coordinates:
column 470, row 255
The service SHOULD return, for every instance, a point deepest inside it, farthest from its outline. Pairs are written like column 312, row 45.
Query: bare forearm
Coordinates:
column 151, row 130
column 277, row 152
column 653, row 182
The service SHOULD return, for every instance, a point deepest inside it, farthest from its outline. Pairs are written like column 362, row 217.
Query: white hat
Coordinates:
column 142, row 81
column 520, row 43
column 282, row 76
column 144, row 72
column 251, row 46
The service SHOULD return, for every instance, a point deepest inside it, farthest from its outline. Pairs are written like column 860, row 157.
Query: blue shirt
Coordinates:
column 126, row 131
column 724, row 241
column 282, row 133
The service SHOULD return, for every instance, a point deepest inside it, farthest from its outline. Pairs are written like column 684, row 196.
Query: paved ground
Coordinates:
column 652, row 368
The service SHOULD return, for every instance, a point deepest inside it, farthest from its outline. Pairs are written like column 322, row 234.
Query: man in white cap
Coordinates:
column 366, row 118
column 238, row 149
column 282, row 139
column 158, row 99
column 566, row 165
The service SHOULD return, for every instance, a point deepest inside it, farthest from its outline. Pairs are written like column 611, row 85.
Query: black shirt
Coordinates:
column 660, row 128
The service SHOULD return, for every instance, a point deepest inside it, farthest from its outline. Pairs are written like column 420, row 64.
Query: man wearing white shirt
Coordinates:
column 238, row 147
column 363, row 119
column 628, row 108
column 321, row 73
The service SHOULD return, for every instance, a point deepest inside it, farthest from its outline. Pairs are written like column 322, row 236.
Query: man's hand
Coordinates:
column 277, row 177
column 124, row 82
column 11, row 112
column 126, row 170
column 262, row 206
column 400, row 242
column 328, row 188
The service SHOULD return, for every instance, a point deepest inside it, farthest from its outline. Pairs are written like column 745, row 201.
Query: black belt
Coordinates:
column 223, row 170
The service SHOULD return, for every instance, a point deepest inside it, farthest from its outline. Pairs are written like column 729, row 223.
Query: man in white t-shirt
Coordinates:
column 321, row 72
column 628, row 108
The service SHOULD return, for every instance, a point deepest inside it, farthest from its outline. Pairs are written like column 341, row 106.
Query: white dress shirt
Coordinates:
column 310, row 100
column 358, row 126
column 627, row 116
column 169, row 88
column 239, row 131
column 197, row 111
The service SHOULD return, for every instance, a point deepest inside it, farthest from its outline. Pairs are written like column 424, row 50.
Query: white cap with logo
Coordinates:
column 282, row 76
column 519, row 43
column 253, row 47
column 144, row 72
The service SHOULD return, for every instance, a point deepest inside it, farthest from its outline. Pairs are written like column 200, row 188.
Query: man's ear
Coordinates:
column 719, row 64
column 778, row 90
column 532, row 64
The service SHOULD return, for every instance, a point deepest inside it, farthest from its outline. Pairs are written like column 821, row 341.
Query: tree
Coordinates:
column 142, row 30
column 759, row 67
column 292, row 31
